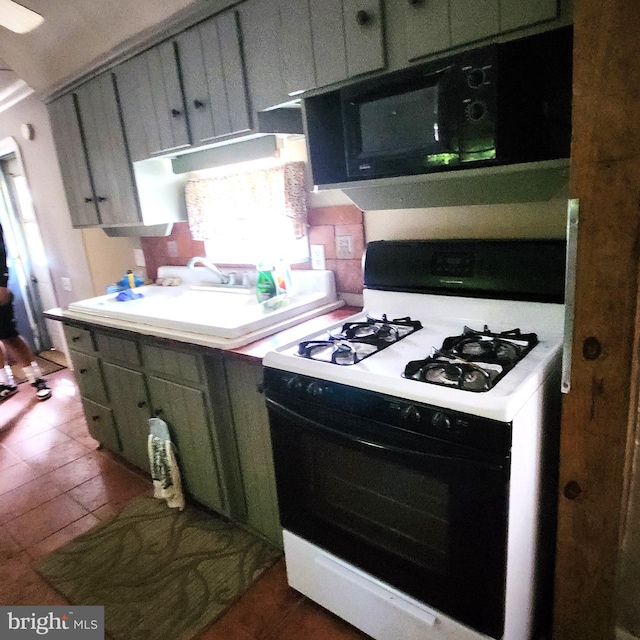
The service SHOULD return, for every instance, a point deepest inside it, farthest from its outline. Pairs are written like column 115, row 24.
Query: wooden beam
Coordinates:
column 600, row 408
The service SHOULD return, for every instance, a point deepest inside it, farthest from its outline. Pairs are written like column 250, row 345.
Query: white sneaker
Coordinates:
column 7, row 390
column 42, row 390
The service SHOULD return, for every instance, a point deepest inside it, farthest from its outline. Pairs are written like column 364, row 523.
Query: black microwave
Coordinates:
column 499, row 104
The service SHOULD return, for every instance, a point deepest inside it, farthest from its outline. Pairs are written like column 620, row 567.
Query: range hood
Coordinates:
column 527, row 182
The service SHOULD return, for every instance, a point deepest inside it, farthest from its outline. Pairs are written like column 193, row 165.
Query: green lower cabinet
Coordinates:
column 185, row 411
column 89, row 377
column 251, row 424
column 128, row 393
column 101, row 425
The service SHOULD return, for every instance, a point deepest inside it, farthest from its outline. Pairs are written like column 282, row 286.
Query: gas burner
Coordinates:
column 486, row 346
column 358, row 340
column 474, row 360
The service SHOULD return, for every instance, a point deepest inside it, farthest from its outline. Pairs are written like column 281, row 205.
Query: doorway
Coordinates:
column 27, row 261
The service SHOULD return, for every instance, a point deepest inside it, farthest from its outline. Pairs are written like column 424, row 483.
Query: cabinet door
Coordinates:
column 472, row 21
column 427, row 28
column 79, row 339
column 296, row 51
column 101, row 425
column 138, row 114
column 88, row 375
column 109, row 163
column 182, row 367
column 72, row 159
column 260, row 22
column 185, row 411
column 212, row 71
column 131, row 411
column 329, row 47
column 364, row 35
column 251, row 425
column 515, row 14
column 167, row 98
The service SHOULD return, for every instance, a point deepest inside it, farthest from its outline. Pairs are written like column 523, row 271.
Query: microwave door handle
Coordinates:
column 312, row 425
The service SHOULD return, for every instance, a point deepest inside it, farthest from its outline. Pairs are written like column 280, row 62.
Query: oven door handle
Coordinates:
column 310, row 424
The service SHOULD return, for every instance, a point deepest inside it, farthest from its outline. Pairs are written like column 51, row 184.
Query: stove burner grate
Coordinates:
column 473, row 361
column 358, row 340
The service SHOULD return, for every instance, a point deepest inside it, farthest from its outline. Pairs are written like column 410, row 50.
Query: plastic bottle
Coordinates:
column 283, row 277
column 265, row 284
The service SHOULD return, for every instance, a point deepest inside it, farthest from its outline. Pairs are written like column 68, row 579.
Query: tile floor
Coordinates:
column 56, row 484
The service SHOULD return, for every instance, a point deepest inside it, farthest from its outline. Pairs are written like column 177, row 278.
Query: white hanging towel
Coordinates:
column 165, row 473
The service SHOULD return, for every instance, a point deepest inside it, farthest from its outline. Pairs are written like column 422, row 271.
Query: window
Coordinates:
column 251, row 216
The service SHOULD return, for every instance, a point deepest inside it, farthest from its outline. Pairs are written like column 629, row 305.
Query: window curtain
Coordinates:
column 259, row 208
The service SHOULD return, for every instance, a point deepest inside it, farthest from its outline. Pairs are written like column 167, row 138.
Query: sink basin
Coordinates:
column 213, row 311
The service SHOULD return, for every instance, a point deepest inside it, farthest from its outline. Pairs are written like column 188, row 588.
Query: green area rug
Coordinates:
column 159, row 573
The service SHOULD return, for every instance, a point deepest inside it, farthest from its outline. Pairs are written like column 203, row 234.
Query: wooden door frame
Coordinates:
column 599, row 412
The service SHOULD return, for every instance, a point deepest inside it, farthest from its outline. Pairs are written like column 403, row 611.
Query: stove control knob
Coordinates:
column 316, row 389
column 295, row 384
column 440, row 422
column 412, row 414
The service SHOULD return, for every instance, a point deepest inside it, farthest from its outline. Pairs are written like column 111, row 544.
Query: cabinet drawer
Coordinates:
column 79, row 339
column 118, row 350
column 101, row 425
column 89, row 377
column 182, row 367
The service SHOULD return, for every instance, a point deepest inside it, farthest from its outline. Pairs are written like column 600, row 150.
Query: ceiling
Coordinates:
column 75, row 35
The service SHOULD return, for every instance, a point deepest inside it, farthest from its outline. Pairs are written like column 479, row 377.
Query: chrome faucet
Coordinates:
column 224, row 279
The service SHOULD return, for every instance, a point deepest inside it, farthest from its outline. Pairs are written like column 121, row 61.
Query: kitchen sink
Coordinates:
column 231, row 316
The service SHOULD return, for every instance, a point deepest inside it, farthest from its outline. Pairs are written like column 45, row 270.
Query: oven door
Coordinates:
column 426, row 516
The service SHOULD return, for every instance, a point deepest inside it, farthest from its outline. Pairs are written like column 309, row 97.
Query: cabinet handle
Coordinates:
column 102, row 199
column 363, row 17
column 88, row 200
column 141, row 404
column 260, row 387
column 415, row 3
column 158, row 413
column 75, row 338
column 83, row 370
column 175, row 113
column 95, row 418
column 198, row 104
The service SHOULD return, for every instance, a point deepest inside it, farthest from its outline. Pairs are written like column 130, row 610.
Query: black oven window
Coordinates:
column 399, row 123
column 385, row 504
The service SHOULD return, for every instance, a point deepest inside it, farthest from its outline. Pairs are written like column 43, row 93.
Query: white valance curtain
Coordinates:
column 255, row 209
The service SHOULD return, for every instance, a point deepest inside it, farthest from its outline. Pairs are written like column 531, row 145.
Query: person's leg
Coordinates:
column 7, row 384
column 25, row 358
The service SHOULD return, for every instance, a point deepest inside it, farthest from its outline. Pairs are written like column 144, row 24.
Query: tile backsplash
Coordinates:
column 340, row 229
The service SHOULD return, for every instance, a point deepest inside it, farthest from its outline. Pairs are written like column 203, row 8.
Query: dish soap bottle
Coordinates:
column 265, row 284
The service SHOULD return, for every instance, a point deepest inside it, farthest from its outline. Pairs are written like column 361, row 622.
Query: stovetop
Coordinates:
column 430, row 344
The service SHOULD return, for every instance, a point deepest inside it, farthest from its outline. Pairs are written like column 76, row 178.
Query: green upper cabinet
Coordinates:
column 153, row 108
column 364, row 36
column 427, row 28
column 471, row 21
column 212, row 70
column 419, row 28
column 186, row 91
column 515, row 14
column 293, row 46
column 93, row 155
column 347, row 39
column 295, row 41
column 260, row 22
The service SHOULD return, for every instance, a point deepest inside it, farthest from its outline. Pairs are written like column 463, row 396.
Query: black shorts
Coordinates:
column 8, row 327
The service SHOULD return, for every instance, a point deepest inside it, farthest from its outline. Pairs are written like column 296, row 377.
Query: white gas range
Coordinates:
column 415, row 443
